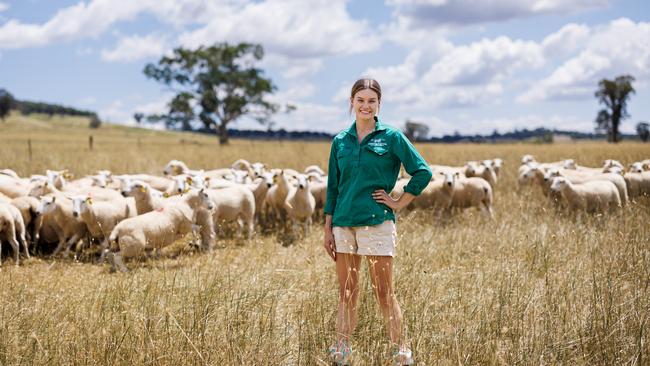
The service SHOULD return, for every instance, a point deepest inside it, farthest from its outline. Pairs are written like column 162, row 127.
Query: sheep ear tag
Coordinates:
column 89, row 201
column 166, row 195
column 143, row 190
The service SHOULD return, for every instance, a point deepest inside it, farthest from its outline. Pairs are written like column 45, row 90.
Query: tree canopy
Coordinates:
column 614, row 94
column 6, row 103
column 643, row 130
column 217, row 84
column 415, row 130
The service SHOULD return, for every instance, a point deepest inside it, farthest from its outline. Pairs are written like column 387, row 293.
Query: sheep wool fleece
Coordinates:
column 356, row 170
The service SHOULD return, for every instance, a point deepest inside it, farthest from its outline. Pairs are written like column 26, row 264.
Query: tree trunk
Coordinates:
column 223, row 134
column 616, row 119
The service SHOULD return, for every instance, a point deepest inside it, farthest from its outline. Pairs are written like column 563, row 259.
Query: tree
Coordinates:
column 614, row 94
column 6, row 103
column 219, row 84
column 415, row 130
column 643, row 129
column 137, row 116
column 95, row 122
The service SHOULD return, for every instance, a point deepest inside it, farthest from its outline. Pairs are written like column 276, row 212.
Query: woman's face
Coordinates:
column 365, row 104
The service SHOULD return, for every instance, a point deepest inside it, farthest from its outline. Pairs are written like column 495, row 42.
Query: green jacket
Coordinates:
column 356, row 170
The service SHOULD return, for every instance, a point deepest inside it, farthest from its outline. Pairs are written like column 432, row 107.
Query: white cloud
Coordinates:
column 568, row 39
column 77, row 21
column 620, row 47
column 484, row 61
column 292, row 68
column 294, row 29
column 135, row 48
column 425, row 13
column 4, row 6
column 85, row 20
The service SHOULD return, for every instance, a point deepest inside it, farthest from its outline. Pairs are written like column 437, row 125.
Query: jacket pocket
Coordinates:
column 379, row 150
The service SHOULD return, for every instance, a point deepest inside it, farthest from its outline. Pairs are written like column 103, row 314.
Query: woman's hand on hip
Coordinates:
column 380, row 196
column 329, row 244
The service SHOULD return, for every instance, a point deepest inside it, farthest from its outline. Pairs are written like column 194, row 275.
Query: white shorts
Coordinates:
column 378, row 240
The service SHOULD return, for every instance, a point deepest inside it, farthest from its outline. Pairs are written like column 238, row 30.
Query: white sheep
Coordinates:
column 146, row 198
column 300, row 204
column 484, row 171
column 10, row 173
column 233, row 204
column 18, row 227
column 596, row 195
column 28, row 207
column 637, row 167
column 100, row 217
column 260, row 187
column 276, row 196
column 438, row 194
column 154, row 230
column 472, row 192
column 57, row 208
column 638, row 184
column 314, row 169
column 318, row 188
column 581, row 177
column 12, row 187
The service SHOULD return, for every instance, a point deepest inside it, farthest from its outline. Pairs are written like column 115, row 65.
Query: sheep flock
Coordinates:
column 131, row 215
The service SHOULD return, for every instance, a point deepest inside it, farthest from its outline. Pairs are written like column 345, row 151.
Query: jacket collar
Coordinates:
column 352, row 130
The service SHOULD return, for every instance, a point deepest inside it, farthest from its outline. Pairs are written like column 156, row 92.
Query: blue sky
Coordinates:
column 456, row 65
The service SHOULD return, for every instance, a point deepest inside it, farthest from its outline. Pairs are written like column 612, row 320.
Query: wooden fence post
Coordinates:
column 90, row 142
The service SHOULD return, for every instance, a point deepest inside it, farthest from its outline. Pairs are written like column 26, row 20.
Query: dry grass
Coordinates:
column 533, row 287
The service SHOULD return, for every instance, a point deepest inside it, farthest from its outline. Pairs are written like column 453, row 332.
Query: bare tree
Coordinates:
column 415, row 131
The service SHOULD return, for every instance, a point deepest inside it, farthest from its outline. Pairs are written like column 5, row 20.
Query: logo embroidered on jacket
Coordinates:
column 377, row 142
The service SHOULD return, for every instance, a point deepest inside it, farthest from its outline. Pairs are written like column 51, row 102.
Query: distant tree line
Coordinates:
column 25, row 107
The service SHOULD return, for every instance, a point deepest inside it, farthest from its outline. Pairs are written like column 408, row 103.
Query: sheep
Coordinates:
column 9, row 227
column 472, row 192
column 12, row 187
column 637, row 167
column 608, row 163
column 300, row 204
column 581, row 177
column 155, row 182
column 10, row 173
column 638, row 184
column 314, row 169
column 260, row 188
column 99, row 194
column 177, row 167
column 528, row 159
column 318, row 188
column 100, row 217
column 4, row 198
column 242, row 165
column 595, row 195
column 236, row 203
column 69, row 229
column 275, row 197
column 484, row 171
column 464, row 170
column 28, row 207
column 146, row 198
column 437, row 194
column 155, row 229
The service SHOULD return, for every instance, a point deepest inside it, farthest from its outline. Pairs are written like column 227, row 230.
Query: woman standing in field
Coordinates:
column 364, row 164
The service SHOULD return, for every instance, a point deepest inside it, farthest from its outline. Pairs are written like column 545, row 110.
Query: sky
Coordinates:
column 472, row 66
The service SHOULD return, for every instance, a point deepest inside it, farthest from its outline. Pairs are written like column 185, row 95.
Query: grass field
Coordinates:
column 534, row 286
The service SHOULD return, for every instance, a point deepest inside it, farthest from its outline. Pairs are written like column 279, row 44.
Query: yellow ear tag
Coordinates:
column 186, row 190
column 166, row 195
column 143, row 190
column 89, row 201
column 189, row 180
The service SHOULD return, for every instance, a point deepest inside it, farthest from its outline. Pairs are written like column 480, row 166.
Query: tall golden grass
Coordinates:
column 534, row 286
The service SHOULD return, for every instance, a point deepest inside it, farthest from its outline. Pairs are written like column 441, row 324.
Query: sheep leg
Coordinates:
column 104, row 250
column 11, row 238
column 240, row 228
column 75, row 238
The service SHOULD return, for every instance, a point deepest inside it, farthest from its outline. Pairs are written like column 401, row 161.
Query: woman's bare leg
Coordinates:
column 381, row 274
column 347, row 271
